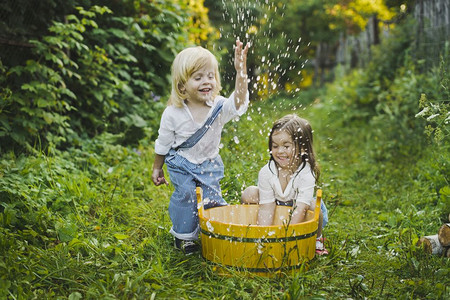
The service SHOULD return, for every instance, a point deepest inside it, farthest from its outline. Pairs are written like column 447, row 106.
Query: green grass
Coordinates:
column 377, row 211
column 88, row 223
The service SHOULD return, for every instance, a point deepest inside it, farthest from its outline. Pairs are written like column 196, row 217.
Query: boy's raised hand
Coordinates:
column 240, row 58
column 240, row 64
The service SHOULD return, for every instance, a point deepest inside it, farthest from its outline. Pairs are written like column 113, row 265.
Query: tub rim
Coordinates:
column 201, row 209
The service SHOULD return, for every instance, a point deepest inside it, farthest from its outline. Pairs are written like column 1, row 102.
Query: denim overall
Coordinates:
column 186, row 176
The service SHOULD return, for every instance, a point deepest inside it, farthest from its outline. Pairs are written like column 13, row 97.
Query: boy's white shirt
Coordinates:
column 300, row 187
column 177, row 125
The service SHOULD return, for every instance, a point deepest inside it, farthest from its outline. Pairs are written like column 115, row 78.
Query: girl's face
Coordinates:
column 200, row 86
column 284, row 151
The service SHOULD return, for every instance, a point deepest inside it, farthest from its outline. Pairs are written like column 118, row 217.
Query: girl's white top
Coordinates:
column 299, row 188
column 177, row 125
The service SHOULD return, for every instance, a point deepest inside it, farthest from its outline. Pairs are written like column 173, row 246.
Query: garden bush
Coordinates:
column 97, row 71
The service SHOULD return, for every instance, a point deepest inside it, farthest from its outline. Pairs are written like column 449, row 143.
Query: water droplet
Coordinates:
column 209, row 226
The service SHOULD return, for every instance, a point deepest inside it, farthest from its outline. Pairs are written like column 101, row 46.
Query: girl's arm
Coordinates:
column 304, row 184
column 266, row 213
column 240, row 64
column 158, row 173
column 299, row 214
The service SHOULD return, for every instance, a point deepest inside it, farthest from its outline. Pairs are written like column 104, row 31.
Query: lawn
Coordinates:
column 87, row 223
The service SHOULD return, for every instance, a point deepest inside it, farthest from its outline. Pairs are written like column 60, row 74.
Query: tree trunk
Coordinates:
column 317, row 64
column 376, row 30
column 444, row 235
column 419, row 31
column 431, row 244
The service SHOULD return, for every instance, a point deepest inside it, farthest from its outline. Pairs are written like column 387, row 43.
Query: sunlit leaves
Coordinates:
column 354, row 15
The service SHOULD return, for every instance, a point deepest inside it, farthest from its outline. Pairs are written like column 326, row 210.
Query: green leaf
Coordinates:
column 72, row 18
column 67, row 231
column 75, row 296
column 119, row 33
column 28, row 86
column 4, row 284
column 42, row 103
column 48, row 118
column 122, row 49
column 69, row 93
column 121, row 236
column 445, row 191
column 166, row 55
column 138, row 30
column 148, row 47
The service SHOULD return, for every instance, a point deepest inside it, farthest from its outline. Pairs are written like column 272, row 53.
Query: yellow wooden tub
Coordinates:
column 230, row 237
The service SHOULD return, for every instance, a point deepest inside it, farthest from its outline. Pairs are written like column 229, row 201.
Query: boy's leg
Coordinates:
column 208, row 176
column 183, row 205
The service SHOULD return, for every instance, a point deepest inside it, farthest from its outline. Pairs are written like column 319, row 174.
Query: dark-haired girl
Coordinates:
column 290, row 176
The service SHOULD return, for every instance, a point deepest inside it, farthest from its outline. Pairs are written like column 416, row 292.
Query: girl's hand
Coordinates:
column 240, row 58
column 300, row 212
column 158, row 177
column 266, row 214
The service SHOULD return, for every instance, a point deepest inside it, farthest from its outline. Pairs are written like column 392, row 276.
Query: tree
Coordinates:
column 291, row 38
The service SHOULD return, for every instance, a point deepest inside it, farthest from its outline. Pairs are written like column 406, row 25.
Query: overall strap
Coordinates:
column 193, row 139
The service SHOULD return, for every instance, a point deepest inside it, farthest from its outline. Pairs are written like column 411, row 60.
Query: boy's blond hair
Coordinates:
column 185, row 64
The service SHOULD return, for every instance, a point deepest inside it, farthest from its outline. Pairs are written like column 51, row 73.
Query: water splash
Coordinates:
column 275, row 57
column 209, row 226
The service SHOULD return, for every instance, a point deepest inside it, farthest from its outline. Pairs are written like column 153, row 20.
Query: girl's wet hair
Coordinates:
column 184, row 65
column 302, row 135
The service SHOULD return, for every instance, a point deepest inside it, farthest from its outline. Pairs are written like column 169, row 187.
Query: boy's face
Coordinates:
column 200, row 86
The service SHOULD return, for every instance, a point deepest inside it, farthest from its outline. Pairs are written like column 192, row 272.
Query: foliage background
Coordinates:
column 80, row 105
column 93, row 70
